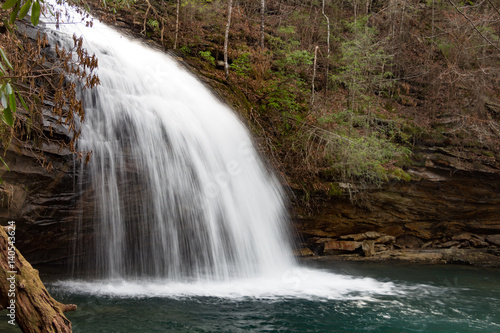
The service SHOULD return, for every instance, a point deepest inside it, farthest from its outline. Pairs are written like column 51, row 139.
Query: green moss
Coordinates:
column 488, row 153
column 334, row 190
column 401, row 174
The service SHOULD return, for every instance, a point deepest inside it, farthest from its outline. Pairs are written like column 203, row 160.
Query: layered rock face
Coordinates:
column 442, row 208
column 40, row 194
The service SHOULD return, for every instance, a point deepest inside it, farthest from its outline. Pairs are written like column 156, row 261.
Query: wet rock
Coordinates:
column 386, row 239
column 409, row 241
column 423, row 230
column 341, row 246
column 319, row 240
column 494, row 239
column 478, row 243
column 427, row 245
column 465, row 245
column 383, row 247
column 452, row 202
column 466, row 236
column 303, row 252
column 470, row 240
column 430, row 257
column 449, row 244
column 362, row 236
column 477, row 257
column 45, row 204
column 368, row 248
column 12, row 198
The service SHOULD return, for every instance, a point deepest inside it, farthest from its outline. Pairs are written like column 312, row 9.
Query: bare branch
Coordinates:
column 492, row 5
column 473, row 25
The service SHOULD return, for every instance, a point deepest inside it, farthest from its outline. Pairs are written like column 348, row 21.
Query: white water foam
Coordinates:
column 299, row 283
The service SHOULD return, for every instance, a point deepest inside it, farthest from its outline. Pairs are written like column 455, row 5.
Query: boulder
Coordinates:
column 362, row 236
column 466, row 236
column 409, row 241
column 386, row 239
column 368, row 248
column 303, row 252
column 449, row 244
column 341, row 246
column 478, row 243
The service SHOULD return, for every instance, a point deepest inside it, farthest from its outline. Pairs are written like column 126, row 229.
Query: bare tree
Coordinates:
column 314, row 75
column 368, row 5
column 262, row 18
column 226, row 37
column 177, row 23
column 355, row 8
column 327, row 45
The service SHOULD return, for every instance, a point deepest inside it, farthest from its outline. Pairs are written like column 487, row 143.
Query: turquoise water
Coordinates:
column 409, row 298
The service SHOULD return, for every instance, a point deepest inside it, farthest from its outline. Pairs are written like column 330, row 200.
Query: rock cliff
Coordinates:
column 446, row 206
column 40, row 194
column 449, row 204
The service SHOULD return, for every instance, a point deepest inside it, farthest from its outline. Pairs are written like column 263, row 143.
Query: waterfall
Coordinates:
column 180, row 191
column 184, row 206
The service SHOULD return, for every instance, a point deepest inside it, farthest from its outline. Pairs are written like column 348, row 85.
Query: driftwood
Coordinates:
column 23, row 294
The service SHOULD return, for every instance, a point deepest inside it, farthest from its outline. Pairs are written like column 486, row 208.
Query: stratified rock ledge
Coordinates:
column 473, row 257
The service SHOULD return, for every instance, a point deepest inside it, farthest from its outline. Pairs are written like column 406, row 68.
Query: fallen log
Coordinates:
column 23, row 294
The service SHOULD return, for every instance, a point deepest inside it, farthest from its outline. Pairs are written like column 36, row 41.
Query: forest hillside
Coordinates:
column 343, row 94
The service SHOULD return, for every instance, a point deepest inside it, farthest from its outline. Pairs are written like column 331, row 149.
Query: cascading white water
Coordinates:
column 180, row 190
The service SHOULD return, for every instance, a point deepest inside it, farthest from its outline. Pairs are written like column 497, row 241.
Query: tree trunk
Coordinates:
column 177, row 23
column 23, row 294
column 262, row 18
column 327, row 46
column 146, row 18
column 226, row 37
column 355, row 8
column 314, row 74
